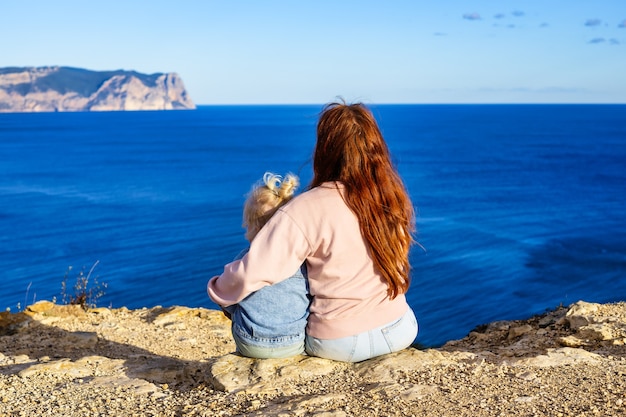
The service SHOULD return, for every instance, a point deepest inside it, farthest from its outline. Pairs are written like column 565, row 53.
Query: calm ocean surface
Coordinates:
column 521, row 207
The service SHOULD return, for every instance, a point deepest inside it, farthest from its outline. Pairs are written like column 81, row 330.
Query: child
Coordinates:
column 270, row 323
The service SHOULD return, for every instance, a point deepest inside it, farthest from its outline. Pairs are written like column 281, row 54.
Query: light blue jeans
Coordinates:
column 391, row 337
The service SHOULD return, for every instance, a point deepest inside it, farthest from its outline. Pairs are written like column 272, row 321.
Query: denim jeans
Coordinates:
column 265, row 351
column 391, row 337
column 271, row 322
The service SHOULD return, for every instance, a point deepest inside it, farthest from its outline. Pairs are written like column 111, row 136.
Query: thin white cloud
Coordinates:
column 471, row 16
column 593, row 22
column 544, row 90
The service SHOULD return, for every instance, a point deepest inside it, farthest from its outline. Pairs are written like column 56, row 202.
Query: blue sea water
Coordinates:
column 520, row 207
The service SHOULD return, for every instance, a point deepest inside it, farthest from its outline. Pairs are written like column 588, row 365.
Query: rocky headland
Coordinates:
column 178, row 361
column 63, row 89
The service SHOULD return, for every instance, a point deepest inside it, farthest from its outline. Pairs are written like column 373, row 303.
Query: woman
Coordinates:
column 353, row 228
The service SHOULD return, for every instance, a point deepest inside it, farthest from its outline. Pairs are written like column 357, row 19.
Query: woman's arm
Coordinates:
column 275, row 254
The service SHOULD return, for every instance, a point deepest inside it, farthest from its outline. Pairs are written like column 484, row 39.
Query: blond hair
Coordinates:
column 265, row 199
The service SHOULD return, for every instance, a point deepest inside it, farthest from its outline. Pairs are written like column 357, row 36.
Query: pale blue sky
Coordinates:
column 266, row 52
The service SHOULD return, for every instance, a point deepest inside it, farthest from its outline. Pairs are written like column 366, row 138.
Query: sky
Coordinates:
column 311, row 52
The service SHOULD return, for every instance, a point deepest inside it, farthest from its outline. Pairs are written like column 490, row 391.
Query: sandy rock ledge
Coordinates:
column 62, row 360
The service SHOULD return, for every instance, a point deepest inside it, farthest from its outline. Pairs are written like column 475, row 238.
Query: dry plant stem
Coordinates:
column 84, row 295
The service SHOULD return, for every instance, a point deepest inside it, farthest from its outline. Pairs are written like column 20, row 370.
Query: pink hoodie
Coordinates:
column 349, row 296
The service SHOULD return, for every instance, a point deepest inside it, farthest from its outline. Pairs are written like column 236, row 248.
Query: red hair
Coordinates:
column 350, row 149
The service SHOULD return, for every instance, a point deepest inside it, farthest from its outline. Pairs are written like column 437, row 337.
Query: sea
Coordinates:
column 520, row 208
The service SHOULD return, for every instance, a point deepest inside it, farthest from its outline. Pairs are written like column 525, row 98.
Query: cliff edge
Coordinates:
column 179, row 361
column 64, row 89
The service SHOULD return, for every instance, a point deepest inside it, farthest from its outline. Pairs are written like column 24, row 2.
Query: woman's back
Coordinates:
column 349, row 295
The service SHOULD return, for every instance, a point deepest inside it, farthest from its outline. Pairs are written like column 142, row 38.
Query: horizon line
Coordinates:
column 425, row 104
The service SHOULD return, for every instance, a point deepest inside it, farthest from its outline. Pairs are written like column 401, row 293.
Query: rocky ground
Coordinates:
column 63, row 361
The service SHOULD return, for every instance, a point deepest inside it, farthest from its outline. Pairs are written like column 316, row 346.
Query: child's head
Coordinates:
column 265, row 198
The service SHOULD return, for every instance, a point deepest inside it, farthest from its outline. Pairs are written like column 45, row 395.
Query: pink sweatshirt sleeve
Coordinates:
column 275, row 254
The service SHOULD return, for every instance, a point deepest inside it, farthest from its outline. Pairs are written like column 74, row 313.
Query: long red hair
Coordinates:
column 351, row 149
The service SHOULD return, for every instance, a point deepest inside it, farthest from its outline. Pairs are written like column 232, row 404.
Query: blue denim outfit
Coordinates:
column 271, row 322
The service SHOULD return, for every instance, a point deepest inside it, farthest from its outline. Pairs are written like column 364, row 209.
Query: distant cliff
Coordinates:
column 51, row 89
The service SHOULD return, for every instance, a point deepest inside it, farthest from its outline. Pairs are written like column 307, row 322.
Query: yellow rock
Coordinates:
column 47, row 308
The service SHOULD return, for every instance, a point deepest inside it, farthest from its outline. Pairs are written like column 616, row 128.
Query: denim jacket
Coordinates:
column 276, row 315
